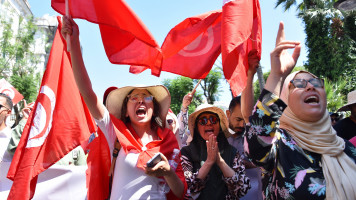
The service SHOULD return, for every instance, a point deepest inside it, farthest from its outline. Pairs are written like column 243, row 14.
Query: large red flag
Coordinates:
column 191, row 47
column 59, row 123
column 126, row 39
column 241, row 34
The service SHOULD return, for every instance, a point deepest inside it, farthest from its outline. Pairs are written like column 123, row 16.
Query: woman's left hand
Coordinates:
column 162, row 168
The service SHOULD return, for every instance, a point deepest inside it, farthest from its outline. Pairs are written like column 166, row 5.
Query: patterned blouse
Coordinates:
column 237, row 185
column 293, row 173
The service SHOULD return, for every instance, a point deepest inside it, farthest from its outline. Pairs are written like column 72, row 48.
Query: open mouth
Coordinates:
column 141, row 112
column 312, row 100
column 209, row 131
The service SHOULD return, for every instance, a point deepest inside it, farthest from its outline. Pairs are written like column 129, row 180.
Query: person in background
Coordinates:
column 16, row 132
column 183, row 119
column 334, row 117
column 237, row 130
column 213, row 169
column 290, row 134
column 172, row 123
column 5, row 132
column 346, row 128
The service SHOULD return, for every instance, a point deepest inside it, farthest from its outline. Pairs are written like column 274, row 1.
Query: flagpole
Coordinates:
column 195, row 88
column 68, row 15
column 261, row 80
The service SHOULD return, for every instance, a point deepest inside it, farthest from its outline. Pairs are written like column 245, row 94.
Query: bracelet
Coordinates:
column 184, row 109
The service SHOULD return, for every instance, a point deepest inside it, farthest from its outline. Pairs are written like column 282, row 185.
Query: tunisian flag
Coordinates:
column 191, row 47
column 126, row 39
column 9, row 90
column 241, row 34
column 59, row 123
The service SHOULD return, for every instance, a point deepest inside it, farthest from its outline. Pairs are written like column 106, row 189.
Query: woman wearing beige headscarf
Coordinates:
column 290, row 135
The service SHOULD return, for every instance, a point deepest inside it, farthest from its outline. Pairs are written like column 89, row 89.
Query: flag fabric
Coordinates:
column 97, row 174
column 59, row 123
column 9, row 90
column 126, row 39
column 191, row 47
column 241, row 34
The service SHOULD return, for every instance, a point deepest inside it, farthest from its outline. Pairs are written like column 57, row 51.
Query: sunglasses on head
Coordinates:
column 170, row 121
column 302, row 83
column 135, row 98
column 204, row 120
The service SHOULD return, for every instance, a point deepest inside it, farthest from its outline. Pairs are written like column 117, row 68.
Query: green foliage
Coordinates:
column 334, row 96
column 211, row 85
column 17, row 60
column 178, row 88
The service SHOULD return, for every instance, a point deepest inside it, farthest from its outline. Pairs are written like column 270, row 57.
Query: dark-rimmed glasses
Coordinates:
column 1, row 106
column 204, row 120
column 302, row 83
column 136, row 97
column 170, row 121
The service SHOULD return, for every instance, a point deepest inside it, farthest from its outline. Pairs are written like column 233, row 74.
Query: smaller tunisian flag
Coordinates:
column 59, row 123
column 126, row 39
column 191, row 47
column 9, row 90
column 241, row 33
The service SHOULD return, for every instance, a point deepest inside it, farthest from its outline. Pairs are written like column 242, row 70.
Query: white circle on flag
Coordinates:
column 40, row 128
column 196, row 47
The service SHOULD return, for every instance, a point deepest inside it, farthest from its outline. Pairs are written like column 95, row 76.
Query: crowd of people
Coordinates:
column 285, row 146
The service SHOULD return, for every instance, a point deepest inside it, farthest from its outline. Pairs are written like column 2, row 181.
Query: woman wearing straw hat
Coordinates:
column 346, row 128
column 212, row 167
column 134, row 115
column 291, row 137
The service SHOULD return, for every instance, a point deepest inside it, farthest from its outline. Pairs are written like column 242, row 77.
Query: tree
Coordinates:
column 211, row 85
column 178, row 88
column 18, row 61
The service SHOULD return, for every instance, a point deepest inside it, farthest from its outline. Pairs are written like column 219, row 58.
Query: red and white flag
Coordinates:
column 241, row 34
column 59, row 123
column 126, row 39
column 191, row 47
column 9, row 90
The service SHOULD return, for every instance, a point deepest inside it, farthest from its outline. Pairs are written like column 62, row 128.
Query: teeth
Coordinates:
column 312, row 99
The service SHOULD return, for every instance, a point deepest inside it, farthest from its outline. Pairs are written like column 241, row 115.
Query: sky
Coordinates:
column 160, row 16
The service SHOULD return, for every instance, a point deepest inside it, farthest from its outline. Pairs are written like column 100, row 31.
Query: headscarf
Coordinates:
column 319, row 137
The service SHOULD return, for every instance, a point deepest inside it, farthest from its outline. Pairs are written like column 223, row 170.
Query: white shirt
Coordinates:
column 129, row 182
column 5, row 136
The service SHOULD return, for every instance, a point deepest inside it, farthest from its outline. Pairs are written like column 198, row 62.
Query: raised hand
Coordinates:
column 282, row 63
column 212, row 149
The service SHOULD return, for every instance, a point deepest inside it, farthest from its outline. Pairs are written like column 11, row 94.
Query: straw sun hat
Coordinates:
column 209, row 108
column 351, row 99
column 116, row 96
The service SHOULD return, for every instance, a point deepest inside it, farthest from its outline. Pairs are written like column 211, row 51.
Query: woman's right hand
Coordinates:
column 212, row 149
column 69, row 27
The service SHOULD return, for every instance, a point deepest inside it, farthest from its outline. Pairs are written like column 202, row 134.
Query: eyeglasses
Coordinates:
column 136, row 97
column 204, row 120
column 170, row 121
column 302, row 83
column 4, row 107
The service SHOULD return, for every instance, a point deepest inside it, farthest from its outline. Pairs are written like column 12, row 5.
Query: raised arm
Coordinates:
column 282, row 63
column 247, row 97
column 80, row 73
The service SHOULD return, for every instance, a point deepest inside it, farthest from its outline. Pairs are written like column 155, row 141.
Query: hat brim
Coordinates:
column 224, row 124
column 345, row 107
column 116, row 98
